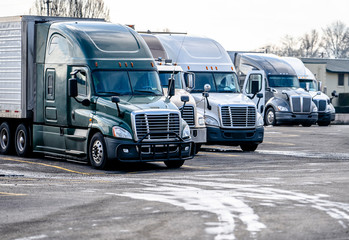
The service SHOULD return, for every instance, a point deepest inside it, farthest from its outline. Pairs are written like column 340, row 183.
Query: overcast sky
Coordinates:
column 236, row 24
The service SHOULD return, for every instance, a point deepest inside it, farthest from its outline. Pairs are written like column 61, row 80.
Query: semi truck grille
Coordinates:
column 321, row 105
column 188, row 115
column 238, row 116
column 300, row 104
column 158, row 125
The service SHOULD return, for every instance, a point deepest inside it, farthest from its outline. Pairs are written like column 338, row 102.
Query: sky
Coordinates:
column 239, row 25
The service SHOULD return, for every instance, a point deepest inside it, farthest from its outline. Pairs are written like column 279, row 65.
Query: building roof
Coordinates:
column 332, row 65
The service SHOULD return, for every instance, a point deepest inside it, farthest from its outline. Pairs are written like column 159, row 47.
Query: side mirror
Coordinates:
column 189, row 80
column 259, row 95
column 318, row 93
column 171, row 87
column 207, row 87
column 307, row 86
column 255, row 87
column 73, row 87
column 116, row 100
column 334, row 93
column 185, row 98
column 319, row 86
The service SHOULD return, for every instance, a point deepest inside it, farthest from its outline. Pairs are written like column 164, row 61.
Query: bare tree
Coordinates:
column 336, row 40
column 310, row 44
column 289, row 46
column 71, row 8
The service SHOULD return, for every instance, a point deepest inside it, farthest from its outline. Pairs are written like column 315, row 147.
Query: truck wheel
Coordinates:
column 197, row 148
column 174, row 163
column 97, row 152
column 269, row 117
column 306, row 124
column 22, row 141
column 5, row 138
column 249, row 147
column 324, row 123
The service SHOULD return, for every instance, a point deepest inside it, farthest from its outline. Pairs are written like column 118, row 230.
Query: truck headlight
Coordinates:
column 201, row 121
column 186, row 132
column 282, row 108
column 120, row 132
column 260, row 121
column 211, row 121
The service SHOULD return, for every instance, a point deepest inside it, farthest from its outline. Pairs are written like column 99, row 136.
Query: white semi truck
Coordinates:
column 282, row 100
column 169, row 70
column 231, row 118
column 308, row 82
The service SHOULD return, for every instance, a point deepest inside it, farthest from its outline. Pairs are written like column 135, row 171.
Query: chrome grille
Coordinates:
column 158, row 125
column 321, row 105
column 300, row 104
column 238, row 116
column 188, row 115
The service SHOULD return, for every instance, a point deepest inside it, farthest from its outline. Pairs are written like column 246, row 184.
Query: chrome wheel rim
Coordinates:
column 97, row 152
column 20, row 140
column 270, row 117
column 4, row 138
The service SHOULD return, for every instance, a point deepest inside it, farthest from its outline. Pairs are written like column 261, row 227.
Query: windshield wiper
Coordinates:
column 147, row 91
column 112, row 93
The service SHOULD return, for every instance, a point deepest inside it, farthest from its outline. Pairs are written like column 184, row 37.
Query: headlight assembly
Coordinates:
column 211, row 121
column 120, row 132
column 282, row 108
column 186, row 132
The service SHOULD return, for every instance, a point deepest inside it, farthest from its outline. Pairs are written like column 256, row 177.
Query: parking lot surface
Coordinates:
column 295, row 186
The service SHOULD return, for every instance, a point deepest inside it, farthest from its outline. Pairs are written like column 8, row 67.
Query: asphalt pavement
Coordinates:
column 294, row 186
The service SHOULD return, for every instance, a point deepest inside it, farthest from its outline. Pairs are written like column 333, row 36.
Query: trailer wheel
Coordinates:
column 249, row 147
column 174, row 163
column 98, row 152
column 269, row 117
column 22, row 141
column 5, row 138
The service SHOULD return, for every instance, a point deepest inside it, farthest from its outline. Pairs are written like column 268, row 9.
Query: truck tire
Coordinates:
column 174, row 163
column 97, row 152
column 306, row 124
column 22, row 141
column 5, row 138
column 325, row 124
column 269, row 117
column 249, row 147
column 197, row 147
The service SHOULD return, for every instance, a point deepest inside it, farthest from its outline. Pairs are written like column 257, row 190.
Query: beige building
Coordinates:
column 332, row 73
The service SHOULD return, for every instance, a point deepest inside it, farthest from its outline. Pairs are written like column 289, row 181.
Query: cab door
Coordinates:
column 79, row 112
column 254, row 88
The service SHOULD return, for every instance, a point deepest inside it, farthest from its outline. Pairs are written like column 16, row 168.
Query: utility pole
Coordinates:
column 48, row 6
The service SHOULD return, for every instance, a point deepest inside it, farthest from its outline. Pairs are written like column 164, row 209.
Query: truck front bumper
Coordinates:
column 326, row 117
column 198, row 135
column 234, row 137
column 293, row 118
column 144, row 151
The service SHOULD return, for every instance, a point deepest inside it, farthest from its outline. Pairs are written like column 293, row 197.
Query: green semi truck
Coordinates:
column 85, row 89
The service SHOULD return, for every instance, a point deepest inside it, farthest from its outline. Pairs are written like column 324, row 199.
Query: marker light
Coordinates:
column 188, row 68
column 232, row 68
column 96, row 64
column 119, row 64
column 216, row 68
column 211, row 68
column 206, row 68
column 131, row 64
column 125, row 64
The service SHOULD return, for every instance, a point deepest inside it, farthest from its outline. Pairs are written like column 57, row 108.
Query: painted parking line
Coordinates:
column 280, row 143
column 49, row 165
column 12, row 194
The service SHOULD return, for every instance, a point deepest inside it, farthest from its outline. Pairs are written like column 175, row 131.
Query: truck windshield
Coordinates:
column 312, row 84
column 220, row 82
column 283, row 81
column 164, row 76
column 110, row 83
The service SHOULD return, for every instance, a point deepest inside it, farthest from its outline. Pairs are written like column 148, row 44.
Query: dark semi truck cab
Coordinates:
column 93, row 94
